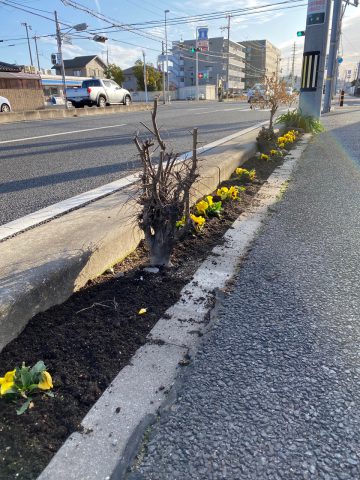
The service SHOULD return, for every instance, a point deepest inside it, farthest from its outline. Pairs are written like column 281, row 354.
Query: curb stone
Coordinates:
column 112, row 439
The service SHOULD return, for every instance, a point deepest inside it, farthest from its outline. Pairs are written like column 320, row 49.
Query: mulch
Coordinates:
column 88, row 339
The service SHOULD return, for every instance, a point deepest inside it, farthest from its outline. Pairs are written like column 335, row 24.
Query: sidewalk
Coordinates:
column 275, row 391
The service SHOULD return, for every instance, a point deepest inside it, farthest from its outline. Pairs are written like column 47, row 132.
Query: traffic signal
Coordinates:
column 193, row 49
column 200, row 75
column 301, row 33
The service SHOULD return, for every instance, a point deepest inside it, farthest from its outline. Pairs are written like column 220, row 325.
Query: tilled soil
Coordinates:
column 88, row 339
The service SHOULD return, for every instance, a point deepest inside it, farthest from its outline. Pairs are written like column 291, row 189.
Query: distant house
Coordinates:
column 130, row 82
column 8, row 67
column 86, row 66
column 22, row 89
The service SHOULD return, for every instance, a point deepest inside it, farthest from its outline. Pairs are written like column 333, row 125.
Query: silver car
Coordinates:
column 4, row 105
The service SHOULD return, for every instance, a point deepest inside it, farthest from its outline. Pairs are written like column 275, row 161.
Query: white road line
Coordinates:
column 220, row 110
column 61, row 133
column 45, row 214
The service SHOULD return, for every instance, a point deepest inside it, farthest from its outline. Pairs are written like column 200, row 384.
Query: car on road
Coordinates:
column 98, row 91
column 4, row 105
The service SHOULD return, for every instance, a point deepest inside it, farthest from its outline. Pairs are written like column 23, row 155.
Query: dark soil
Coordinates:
column 87, row 340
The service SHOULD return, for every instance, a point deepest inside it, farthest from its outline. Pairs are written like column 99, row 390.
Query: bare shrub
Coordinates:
column 165, row 185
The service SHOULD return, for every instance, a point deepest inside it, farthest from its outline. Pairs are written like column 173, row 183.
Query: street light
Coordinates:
column 166, row 57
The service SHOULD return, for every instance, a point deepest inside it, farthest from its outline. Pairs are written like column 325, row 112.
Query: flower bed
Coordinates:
column 87, row 340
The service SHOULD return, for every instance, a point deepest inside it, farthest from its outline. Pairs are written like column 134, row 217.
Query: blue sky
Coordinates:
column 277, row 26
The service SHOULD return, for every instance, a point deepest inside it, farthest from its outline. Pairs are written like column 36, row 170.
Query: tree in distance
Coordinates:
column 114, row 72
column 154, row 81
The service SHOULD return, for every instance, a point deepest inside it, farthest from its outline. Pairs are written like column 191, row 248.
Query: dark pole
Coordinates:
column 37, row 52
column 28, row 40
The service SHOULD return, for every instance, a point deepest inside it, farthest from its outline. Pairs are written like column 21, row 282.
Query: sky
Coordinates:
column 279, row 27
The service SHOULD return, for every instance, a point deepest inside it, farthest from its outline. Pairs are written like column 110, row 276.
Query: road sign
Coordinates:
column 316, row 12
column 340, row 60
column 202, row 40
column 310, row 71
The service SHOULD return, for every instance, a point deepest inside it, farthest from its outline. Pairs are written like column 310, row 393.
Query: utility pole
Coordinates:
column 331, row 68
column 28, row 27
column 197, row 74
column 228, row 53
column 107, row 55
column 293, row 66
column 313, row 66
column 167, row 58
column 163, row 73
column 145, row 77
column 59, row 43
column 37, row 52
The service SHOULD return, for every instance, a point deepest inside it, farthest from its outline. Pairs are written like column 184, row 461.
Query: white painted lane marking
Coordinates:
column 61, row 133
column 45, row 214
column 221, row 110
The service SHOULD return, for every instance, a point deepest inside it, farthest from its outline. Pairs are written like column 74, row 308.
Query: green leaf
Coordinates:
column 24, row 407
column 25, row 377
column 38, row 368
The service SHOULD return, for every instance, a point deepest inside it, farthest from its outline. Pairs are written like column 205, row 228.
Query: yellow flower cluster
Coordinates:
column 265, row 157
column 7, row 382
column 289, row 137
column 225, row 193
column 246, row 174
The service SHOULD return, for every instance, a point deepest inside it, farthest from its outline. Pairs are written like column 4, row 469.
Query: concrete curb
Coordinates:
column 113, row 427
column 43, row 266
column 31, row 115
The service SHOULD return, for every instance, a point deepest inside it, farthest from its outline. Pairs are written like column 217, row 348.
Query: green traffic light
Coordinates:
column 193, row 50
column 301, row 33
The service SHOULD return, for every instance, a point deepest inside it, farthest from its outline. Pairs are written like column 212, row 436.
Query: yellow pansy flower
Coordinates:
column 46, row 382
column 264, row 156
column 199, row 221
column 223, row 193
column 7, row 382
column 233, row 193
column 201, row 207
column 282, row 145
column 209, row 200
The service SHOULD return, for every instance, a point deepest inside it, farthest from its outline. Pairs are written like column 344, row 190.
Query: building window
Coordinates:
column 77, row 73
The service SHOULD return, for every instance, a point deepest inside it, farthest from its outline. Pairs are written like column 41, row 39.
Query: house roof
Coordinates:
column 81, row 62
column 8, row 67
column 20, row 75
column 128, row 71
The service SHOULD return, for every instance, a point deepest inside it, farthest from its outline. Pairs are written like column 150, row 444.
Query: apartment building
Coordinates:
column 262, row 59
column 213, row 65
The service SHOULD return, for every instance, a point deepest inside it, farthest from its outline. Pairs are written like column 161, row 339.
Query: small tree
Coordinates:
column 115, row 73
column 153, row 76
column 165, row 185
column 275, row 95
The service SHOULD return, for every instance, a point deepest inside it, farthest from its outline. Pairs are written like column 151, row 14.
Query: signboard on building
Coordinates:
column 202, row 39
column 316, row 12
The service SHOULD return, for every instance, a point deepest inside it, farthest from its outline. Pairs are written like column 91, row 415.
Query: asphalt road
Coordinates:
column 71, row 156
column 274, row 393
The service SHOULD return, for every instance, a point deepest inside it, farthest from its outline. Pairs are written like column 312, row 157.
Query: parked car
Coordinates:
column 98, row 91
column 57, row 100
column 4, row 105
